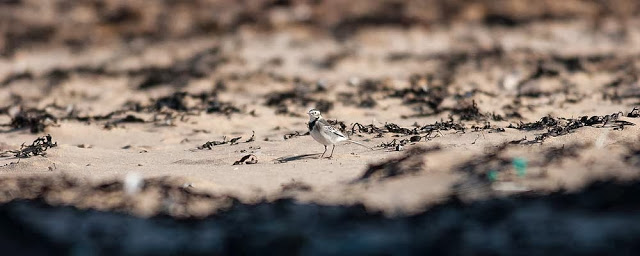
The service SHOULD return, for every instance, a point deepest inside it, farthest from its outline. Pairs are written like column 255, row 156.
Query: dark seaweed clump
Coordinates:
column 126, row 119
column 180, row 73
column 180, row 101
column 37, row 147
column 294, row 134
column 247, row 159
column 562, row 126
column 416, row 133
column 211, row 144
column 468, row 111
column 394, row 128
column 635, row 112
column 34, row 119
column 300, row 95
column 426, row 91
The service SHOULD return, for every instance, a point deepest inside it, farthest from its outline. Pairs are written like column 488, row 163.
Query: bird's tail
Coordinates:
column 358, row 143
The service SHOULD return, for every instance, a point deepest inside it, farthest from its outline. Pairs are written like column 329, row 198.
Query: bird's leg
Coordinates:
column 334, row 147
column 325, row 151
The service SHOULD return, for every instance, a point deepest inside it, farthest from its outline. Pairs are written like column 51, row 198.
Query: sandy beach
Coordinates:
column 466, row 105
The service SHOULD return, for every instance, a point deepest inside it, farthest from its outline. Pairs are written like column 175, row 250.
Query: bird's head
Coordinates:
column 314, row 114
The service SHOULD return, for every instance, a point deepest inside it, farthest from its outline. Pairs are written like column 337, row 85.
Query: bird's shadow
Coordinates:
column 285, row 159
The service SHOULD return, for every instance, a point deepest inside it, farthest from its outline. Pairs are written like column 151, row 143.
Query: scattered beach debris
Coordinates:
column 370, row 128
column 126, row 119
column 186, row 102
column 211, row 144
column 294, row 134
column 247, row 159
column 395, row 144
column 37, row 147
column 558, row 126
column 299, row 95
column 253, row 135
column 179, row 73
column 468, row 111
column 34, row 119
column 234, row 140
column 635, row 112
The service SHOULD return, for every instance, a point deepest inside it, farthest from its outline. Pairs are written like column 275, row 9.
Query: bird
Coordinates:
column 325, row 134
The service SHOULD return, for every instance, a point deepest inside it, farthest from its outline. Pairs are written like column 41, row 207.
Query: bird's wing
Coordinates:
column 326, row 126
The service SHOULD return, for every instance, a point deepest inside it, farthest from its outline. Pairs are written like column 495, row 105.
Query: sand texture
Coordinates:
column 486, row 101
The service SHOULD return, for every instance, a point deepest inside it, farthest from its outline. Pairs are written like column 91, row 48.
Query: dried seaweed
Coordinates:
column 175, row 101
column 253, row 137
column 388, row 128
column 225, row 108
column 247, row 159
column 211, row 144
column 547, row 121
column 299, row 95
column 126, row 119
column 34, row 119
column 468, row 111
column 487, row 127
column 394, row 128
column 442, row 126
column 234, row 140
column 185, row 102
column 180, row 73
column 294, row 134
column 360, row 100
column 396, row 144
column 562, row 126
column 96, row 117
column 370, row 128
column 424, row 90
column 37, row 147
column 428, row 130
column 635, row 112
column 338, row 124
column 365, row 91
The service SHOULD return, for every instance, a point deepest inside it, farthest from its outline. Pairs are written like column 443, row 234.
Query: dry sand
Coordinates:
column 556, row 68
